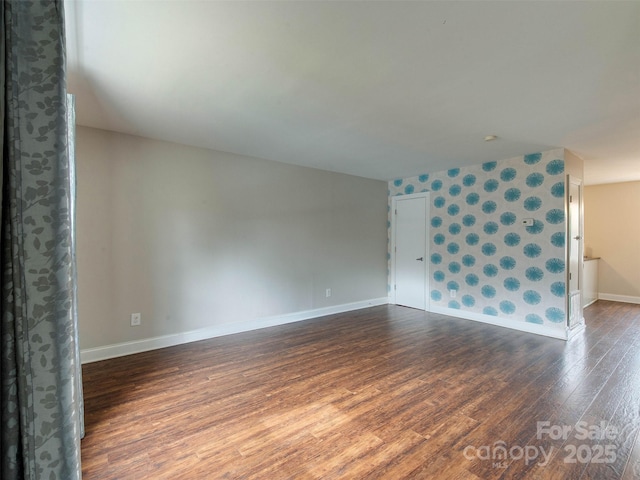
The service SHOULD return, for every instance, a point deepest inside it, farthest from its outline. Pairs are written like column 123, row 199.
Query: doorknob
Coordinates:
column 421, row 259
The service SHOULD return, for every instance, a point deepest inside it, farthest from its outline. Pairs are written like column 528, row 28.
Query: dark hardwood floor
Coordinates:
column 387, row 392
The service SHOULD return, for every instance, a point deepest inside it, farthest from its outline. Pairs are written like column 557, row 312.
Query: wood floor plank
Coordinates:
column 386, row 392
column 618, row 412
column 632, row 468
column 571, row 397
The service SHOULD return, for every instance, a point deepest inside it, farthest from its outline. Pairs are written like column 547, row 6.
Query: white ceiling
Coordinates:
column 376, row 89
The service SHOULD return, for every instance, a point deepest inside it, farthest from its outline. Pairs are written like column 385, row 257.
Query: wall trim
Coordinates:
column 137, row 346
column 590, row 303
column 618, row 298
column 504, row 322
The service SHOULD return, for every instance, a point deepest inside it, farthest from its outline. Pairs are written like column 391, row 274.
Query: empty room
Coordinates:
column 321, row 240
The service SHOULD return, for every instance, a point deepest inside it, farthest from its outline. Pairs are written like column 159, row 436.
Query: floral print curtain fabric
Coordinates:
column 41, row 394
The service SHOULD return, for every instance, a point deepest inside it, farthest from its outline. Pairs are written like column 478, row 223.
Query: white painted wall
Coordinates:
column 199, row 239
column 612, row 232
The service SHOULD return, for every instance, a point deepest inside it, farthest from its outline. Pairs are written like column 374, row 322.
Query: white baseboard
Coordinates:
column 618, row 298
column 576, row 330
column 545, row 330
column 127, row 348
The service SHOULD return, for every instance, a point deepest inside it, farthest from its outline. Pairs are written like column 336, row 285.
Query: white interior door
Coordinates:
column 575, row 252
column 411, row 260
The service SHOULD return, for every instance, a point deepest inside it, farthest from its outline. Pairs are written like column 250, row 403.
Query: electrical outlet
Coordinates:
column 453, row 293
column 327, row 292
column 527, row 222
column 136, row 319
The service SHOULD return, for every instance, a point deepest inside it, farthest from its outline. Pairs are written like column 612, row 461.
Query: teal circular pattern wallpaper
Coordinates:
column 480, row 247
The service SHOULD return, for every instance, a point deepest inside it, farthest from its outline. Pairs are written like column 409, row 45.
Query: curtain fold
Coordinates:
column 41, row 409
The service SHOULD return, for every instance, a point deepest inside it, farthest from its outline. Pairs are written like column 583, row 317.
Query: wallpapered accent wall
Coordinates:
column 479, row 246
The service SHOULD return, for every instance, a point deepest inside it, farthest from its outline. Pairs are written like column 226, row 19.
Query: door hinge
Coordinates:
column 570, row 198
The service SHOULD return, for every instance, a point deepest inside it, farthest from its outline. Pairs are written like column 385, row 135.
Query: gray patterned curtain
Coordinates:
column 41, row 410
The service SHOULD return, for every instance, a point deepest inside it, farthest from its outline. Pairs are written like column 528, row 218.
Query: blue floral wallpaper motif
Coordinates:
column 480, row 247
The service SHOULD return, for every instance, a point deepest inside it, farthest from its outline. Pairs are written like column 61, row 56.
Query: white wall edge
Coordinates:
column 618, row 298
column 504, row 322
column 127, row 348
